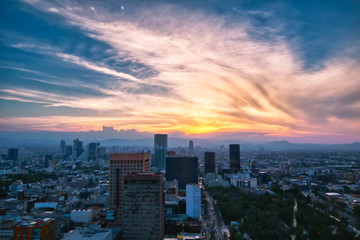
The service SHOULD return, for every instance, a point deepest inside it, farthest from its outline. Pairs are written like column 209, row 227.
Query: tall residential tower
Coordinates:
column 144, row 201
column 122, row 164
column 160, row 149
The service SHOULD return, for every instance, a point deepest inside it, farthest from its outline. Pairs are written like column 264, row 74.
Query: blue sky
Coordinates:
column 286, row 69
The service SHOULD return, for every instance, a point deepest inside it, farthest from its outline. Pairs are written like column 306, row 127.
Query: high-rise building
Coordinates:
column 101, row 152
column 43, row 229
column 92, row 151
column 77, row 148
column 13, row 154
column 193, row 201
column 144, row 202
column 160, row 149
column 122, row 164
column 89, row 154
column 184, row 169
column 68, row 151
column 209, row 162
column 234, row 155
column 62, row 146
column 191, row 148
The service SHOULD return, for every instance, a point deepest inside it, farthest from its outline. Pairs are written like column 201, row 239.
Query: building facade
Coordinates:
column 160, row 150
column 234, row 156
column 184, row 169
column 247, row 182
column 193, row 201
column 13, row 154
column 39, row 229
column 122, row 164
column 209, row 162
column 92, row 156
column 191, row 148
column 77, row 148
column 62, row 146
column 144, row 202
column 81, row 216
column 68, row 151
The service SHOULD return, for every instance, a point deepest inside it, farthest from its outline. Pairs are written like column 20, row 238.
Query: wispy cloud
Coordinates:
column 212, row 74
column 96, row 67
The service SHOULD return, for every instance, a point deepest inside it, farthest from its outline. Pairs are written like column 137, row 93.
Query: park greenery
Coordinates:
column 270, row 216
column 26, row 178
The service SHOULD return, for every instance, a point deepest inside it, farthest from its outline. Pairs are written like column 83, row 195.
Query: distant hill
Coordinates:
column 285, row 145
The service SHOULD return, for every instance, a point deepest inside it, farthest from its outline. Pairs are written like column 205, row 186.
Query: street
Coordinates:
column 213, row 220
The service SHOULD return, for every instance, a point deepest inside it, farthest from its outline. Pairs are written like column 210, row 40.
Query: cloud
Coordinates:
column 210, row 72
column 96, row 67
column 53, row 10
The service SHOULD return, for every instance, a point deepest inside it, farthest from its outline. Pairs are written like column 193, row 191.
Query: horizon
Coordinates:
column 134, row 135
column 249, row 70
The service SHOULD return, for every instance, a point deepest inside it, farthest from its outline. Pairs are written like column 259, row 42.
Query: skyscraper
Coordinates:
column 234, row 155
column 92, row 151
column 191, row 148
column 13, row 154
column 122, row 164
column 160, row 149
column 62, row 146
column 184, row 169
column 144, row 202
column 89, row 154
column 68, row 151
column 77, row 148
column 193, row 201
column 101, row 152
column 209, row 162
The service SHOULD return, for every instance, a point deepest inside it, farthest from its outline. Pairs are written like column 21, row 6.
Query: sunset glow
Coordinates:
column 172, row 67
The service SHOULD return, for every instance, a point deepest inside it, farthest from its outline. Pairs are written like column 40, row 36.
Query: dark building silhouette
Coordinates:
column 62, row 146
column 209, row 162
column 160, row 149
column 13, row 154
column 184, row 169
column 77, row 148
column 234, row 155
column 92, row 151
column 191, row 148
column 101, row 152
column 68, row 151
column 144, row 201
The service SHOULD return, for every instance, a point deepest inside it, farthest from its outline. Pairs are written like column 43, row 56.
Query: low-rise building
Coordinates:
column 89, row 233
column 81, row 216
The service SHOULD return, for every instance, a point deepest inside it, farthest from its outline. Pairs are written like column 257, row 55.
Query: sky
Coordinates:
column 224, row 69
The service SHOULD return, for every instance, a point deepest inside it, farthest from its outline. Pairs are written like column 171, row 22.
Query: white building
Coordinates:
column 193, row 201
column 215, row 180
column 81, row 216
column 171, row 188
column 243, row 180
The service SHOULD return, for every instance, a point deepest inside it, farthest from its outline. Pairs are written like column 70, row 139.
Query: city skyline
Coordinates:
column 271, row 70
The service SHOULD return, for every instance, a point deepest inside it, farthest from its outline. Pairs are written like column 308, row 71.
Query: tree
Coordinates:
column 357, row 213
